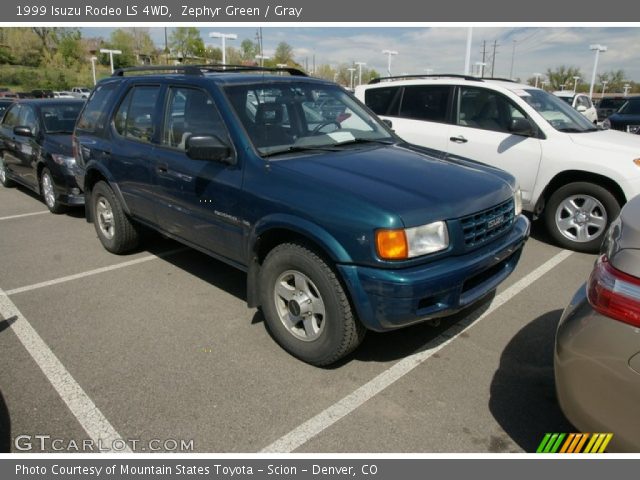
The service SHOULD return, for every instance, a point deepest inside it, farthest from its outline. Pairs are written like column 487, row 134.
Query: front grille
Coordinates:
column 481, row 227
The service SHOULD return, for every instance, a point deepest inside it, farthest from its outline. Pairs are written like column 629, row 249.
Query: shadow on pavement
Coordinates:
column 523, row 396
column 5, row 427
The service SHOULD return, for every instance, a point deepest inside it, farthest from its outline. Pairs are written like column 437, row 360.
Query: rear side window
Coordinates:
column 426, row 102
column 135, row 118
column 94, row 115
column 382, row 100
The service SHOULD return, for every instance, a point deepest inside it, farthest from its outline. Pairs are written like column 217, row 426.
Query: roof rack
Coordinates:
column 511, row 80
column 200, row 70
column 433, row 75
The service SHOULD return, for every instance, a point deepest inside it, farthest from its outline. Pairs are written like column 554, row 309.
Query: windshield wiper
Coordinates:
column 59, row 131
column 365, row 140
column 576, row 130
column 299, row 148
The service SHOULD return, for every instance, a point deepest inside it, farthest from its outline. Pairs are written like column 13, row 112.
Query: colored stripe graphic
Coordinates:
column 574, row 443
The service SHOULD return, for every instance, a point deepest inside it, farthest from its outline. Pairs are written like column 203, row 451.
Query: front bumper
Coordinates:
column 390, row 299
column 597, row 373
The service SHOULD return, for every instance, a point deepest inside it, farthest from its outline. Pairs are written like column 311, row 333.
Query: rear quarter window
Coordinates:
column 94, row 117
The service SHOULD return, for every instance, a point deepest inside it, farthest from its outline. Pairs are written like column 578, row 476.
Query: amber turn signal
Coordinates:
column 392, row 244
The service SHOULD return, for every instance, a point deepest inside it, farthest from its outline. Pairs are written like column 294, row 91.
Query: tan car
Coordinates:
column 597, row 353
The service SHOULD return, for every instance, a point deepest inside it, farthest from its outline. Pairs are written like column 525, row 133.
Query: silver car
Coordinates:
column 597, row 352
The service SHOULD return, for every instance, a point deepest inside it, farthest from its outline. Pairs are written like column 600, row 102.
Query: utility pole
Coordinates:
column 484, row 59
column 513, row 54
column 493, row 62
column 166, row 47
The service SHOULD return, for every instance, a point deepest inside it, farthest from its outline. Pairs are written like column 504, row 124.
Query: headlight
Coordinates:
column 517, row 202
column 403, row 243
column 606, row 124
column 63, row 160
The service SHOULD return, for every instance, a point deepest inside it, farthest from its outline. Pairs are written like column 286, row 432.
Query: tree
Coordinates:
column 562, row 77
column 249, row 50
column 186, row 43
column 124, row 41
column 70, row 47
column 284, row 53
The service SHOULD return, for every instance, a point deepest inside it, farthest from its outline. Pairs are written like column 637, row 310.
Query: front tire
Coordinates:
column 4, row 180
column 305, row 306
column 48, row 193
column 578, row 215
column 116, row 231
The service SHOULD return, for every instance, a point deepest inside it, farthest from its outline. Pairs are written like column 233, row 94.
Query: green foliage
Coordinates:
column 284, row 53
column 186, row 43
column 248, row 50
column 562, row 77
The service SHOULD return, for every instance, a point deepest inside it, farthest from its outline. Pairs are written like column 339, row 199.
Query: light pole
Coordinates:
column 627, row 87
column 537, row 75
column 111, row 54
column 389, row 54
column 575, row 84
column 543, row 84
column 562, row 87
column 351, row 70
column 467, row 57
column 281, row 65
column 597, row 48
column 604, row 85
column 93, row 68
column 262, row 58
column 224, row 37
column 360, row 64
column 480, row 66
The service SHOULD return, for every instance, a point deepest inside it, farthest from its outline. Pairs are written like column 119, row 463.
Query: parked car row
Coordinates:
column 344, row 225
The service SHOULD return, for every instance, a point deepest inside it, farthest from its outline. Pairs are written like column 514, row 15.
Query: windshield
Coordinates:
column 60, row 118
column 632, row 107
column 559, row 114
column 613, row 103
column 568, row 100
column 296, row 116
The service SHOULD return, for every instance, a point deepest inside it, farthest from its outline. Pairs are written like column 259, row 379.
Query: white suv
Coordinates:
column 571, row 173
column 581, row 102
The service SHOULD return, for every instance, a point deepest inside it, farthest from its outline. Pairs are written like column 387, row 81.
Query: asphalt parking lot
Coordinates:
column 159, row 345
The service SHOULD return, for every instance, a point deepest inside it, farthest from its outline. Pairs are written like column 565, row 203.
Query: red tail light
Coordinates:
column 614, row 293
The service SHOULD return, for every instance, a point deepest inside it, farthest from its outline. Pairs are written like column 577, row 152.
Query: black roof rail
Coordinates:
column 501, row 79
column 432, row 75
column 200, row 70
column 186, row 69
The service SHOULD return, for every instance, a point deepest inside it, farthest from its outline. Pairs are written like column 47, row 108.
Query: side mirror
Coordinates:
column 208, row 147
column 23, row 131
column 581, row 108
column 521, row 126
column 387, row 122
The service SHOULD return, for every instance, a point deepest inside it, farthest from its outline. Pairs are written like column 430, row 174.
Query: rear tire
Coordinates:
column 305, row 306
column 117, row 233
column 578, row 214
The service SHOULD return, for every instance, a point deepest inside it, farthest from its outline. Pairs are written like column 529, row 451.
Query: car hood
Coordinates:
column 58, row 143
column 417, row 187
column 610, row 140
column 625, row 118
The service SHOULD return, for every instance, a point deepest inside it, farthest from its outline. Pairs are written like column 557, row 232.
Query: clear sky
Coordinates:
column 442, row 48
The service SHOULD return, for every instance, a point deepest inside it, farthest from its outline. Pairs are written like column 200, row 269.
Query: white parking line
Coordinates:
column 11, row 217
column 96, row 271
column 82, row 407
column 312, row 427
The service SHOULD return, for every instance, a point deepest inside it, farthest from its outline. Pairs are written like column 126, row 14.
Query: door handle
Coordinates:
column 458, row 139
column 163, row 168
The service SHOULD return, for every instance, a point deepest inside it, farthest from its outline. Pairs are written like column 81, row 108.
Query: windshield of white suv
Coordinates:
column 299, row 116
column 559, row 114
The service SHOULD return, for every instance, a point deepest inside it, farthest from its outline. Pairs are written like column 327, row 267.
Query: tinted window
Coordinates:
column 381, row 100
column 191, row 112
column 60, row 118
column 135, row 118
column 11, row 118
column 94, row 115
column 632, row 107
column 425, row 102
column 486, row 109
column 614, row 103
